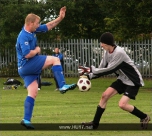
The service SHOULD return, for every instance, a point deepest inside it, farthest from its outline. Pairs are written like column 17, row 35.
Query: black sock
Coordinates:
column 98, row 115
column 138, row 113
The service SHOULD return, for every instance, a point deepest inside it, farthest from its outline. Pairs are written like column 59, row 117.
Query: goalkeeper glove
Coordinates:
column 83, row 70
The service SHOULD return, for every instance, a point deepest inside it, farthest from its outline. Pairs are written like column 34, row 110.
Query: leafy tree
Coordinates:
column 83, row 20
column 131, row 19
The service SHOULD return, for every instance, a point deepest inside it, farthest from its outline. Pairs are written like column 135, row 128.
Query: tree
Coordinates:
column 83, row 20
column 131, row 19
column 87, row 19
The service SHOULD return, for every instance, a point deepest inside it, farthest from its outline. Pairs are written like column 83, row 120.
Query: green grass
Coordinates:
column 72, row 107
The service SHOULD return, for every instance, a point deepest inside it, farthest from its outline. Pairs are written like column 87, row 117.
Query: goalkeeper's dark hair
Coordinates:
column 107, row 38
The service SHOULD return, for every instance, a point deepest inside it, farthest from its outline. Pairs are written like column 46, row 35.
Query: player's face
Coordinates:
column 104, row 46
column 56, row 50
column 35, row 25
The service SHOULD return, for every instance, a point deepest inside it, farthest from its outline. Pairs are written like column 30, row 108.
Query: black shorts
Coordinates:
column 130, row 91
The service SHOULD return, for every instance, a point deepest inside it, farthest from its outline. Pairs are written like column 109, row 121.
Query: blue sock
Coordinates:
column 28, row 108
column 58, row 74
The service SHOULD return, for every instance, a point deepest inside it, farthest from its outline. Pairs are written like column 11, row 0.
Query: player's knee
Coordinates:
column 51, row 60
column 32, row 93
column 122, row 105
column 55, row 59
column 35, row 94
column 105, row 96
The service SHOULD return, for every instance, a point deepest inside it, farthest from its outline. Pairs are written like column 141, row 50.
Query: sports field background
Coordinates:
column 72, row 107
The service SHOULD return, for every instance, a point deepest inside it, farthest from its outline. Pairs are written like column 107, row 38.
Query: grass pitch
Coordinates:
column 72, row 107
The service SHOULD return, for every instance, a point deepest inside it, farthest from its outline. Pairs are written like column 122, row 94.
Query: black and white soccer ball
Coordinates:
column 84, row 84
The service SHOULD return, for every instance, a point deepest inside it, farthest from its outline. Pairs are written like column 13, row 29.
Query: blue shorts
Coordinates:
column 32, row 69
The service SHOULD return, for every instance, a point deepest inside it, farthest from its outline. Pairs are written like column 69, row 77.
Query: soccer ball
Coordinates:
column 84, row 84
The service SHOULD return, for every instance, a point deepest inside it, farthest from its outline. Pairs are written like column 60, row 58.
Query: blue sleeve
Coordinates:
column 42, row 29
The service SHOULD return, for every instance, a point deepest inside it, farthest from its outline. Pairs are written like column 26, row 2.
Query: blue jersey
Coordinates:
column 27, row 41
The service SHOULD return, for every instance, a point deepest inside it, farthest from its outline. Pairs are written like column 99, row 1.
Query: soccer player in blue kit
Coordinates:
column 31, row 63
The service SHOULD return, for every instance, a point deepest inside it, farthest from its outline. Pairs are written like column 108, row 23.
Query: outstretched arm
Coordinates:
column 56, row 21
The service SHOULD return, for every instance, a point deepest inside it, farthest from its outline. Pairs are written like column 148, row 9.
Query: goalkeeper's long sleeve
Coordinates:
column 118, row 62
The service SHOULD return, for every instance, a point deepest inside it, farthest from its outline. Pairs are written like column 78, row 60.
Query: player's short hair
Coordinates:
column 31, row 18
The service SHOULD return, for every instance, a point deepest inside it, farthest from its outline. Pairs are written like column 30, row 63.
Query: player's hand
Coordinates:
column 83, row 70
column 62, row 12
column 38, row 49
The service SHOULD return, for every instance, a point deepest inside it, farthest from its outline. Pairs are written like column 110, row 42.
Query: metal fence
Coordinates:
column 82, row 52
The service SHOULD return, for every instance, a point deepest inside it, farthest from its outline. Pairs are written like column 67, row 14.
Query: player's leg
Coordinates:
column 130, row 93
column 39, row 82
column 30, row 72
column 124, row 104
column 101, row 107
column 56, row 69
column 58, row 73
column 115, row 88
column 56, row 84
column 102, row 104
column 29, row 104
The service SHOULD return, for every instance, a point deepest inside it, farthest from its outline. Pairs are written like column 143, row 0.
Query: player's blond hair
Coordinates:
column 31, row 18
